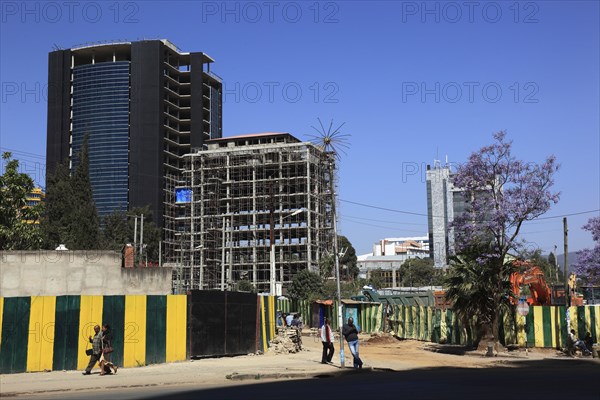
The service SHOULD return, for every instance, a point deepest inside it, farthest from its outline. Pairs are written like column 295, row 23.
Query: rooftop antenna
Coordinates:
column 332, row 141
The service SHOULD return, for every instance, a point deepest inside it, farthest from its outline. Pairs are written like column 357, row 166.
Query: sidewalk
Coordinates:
column 211, row 371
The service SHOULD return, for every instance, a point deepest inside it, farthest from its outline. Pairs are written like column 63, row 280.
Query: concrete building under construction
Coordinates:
column 238, row 197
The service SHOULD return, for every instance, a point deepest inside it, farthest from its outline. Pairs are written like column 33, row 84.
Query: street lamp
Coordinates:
column 272, row 286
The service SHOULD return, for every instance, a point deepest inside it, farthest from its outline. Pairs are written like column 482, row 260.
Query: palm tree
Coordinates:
column 473, row 289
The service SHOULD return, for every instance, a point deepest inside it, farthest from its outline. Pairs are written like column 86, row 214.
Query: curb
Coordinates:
column 292, row 375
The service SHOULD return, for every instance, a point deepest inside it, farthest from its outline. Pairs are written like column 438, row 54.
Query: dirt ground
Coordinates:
column 385, row 351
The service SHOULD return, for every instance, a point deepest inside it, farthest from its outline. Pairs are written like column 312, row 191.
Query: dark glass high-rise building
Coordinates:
column 142, row 105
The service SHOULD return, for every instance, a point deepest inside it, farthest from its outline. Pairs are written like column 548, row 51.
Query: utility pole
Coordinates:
column 135, row 240
column 556, row 264
column 566, row 250
column 337, row 264
column 271, row 241
column 141, row 235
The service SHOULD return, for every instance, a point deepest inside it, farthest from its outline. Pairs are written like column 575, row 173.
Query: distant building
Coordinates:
column 36, row 197
column 142, row 105
column 444, row 201
column 389, row 254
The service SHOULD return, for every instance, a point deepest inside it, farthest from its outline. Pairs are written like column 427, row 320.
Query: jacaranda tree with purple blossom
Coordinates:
column 501, row 193
column 588, row 260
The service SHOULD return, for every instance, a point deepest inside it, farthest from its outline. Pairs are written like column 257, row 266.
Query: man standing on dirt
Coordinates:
column 327, row 339
column 351, row 332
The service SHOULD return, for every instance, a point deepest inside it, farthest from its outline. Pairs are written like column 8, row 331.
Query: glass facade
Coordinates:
column 101, row 110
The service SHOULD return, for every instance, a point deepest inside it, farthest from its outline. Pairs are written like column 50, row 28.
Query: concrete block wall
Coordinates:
column 60, row 273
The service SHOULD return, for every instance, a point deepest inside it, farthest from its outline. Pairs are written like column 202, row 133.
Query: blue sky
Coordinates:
column 411, row 81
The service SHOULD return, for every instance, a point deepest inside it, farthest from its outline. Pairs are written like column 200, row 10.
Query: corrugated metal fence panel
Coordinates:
column 40, row 346
column 66, row 333
column 267, row 321
column 176, row 329
column 113, row 313
column 90, row 314
column 544, row 326
column 134, row 345
column 156, row 329
column 15, row 326
column 51, row 332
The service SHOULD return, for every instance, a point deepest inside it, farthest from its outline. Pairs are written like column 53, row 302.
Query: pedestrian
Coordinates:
column 327, row 339
column 96, row 342
column 288, row 319
column 297, row 321
column 107, row 338
column 350, row 332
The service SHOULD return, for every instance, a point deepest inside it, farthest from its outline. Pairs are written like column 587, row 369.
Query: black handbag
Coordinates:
column 89, row 352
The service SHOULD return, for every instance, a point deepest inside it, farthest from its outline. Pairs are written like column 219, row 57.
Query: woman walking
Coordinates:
column 107, row 338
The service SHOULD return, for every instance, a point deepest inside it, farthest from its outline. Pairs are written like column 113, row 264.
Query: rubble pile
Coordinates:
column 287, row 341
column 381, row 338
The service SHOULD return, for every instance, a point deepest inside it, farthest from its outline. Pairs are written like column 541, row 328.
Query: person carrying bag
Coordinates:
column 107, row 349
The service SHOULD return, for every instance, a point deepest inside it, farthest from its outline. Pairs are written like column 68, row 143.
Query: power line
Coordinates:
column 569, row 215
column 379, row 226
column 383, row 208
column 425, row 215
column 384, row 221
column 25, row 153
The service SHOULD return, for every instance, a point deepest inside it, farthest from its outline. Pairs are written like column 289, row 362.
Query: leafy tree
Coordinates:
column 375, row 278
column 327, row 266
column 588, row 260
column 115, row 231
column 85, row 226
column 71, row 217
column 56, row 220
column 18, row 230
column 119, row 230
column 245, row 285
column 348, row 266
column 420, row 272
column 536, row 258
column 552, row 259
column 306, row 285
column 501, row 193
column 152, row 233
column 348, row 261
column 347, row 289
column 469, row 289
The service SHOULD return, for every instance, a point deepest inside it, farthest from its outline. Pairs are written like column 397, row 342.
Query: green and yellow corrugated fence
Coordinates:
column 51, row 332
column 544, row 326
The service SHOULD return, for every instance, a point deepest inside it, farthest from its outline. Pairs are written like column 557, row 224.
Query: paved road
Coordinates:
column 541, row 379
column 536, row 380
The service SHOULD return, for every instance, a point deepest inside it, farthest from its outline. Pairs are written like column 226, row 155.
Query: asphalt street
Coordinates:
column 539, row 379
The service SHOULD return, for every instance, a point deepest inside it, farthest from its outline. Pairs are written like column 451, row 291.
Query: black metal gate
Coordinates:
column 222, row 323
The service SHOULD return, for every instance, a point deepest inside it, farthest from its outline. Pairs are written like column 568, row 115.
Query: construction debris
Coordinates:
column 288, row 340
column 381, row 338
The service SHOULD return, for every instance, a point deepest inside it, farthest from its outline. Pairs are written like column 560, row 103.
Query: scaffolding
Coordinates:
column 247, row 193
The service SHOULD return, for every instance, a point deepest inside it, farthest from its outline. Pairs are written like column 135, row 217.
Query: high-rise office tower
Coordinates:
column 142, row 105
column 444, row 203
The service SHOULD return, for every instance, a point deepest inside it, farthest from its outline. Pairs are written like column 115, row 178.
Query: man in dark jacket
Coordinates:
column 350, row 332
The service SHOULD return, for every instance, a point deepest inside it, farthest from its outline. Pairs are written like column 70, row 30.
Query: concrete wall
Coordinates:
column 58, row 273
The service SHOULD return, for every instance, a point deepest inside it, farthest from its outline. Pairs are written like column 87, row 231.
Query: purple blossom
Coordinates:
column 501, row 193
column 588, row 260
